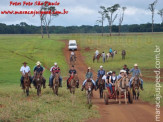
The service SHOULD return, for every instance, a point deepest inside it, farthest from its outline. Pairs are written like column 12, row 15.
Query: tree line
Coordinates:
column 24, row 28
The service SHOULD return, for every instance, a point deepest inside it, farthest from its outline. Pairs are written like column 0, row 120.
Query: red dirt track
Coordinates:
column 137, row 112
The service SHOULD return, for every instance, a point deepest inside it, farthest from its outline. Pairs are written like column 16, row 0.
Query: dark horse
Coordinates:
column 89, row 89
column 38, row 79
column 101, row 86
column 72, row 60
column 26, row 84
column 96, row 57
column 56, row 84
column 135, row 87
column 74, row 82
column 123, row 54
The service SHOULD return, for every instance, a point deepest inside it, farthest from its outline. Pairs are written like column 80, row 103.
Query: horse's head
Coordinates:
column 26, row 75
column 115, row 52
column 136, row 81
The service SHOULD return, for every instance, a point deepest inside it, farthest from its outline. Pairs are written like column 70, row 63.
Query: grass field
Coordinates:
column 15, row 49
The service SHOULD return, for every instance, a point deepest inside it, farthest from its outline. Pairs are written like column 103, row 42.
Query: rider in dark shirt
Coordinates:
column 126, row 69
column 72, row 72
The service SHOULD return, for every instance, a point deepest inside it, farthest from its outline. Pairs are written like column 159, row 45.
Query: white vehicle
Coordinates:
column 72, row 45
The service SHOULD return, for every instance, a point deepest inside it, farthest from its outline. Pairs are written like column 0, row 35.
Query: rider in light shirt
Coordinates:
column 24, row 69
column 136, row 71
column 96, row 53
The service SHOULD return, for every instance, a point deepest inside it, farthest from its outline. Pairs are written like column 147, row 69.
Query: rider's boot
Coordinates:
column 82, row 88
column 141, row 86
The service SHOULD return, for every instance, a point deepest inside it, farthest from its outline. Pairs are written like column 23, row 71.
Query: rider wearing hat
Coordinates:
column 136, row 71
column 89, row 75
column 101, row 73
column 55, row 69
column 72, row 72
column 25, row 69
column 39, row 69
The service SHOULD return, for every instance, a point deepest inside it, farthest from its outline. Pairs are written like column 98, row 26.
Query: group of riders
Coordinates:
column 109, row 77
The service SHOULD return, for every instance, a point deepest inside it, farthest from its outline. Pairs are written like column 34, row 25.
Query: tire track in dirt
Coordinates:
column 137, row 112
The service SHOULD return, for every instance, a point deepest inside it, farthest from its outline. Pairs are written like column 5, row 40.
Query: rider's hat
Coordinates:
column 101, row 66
column 135, row 65
column 55, row 64
column 122, row 71
column 38, row 63
column 89, row 67
column 24, row 63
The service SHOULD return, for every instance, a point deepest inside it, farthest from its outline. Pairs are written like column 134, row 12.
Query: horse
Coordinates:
column 89, row 89
column 97, row 57
column 26, row 84
column 74, row 83
column 122, row 88
column 101, row 86
column 55, row 84
column 123, row 54
column 108, row 55
column 38, row 80
column 72, row 60
column 135, row 87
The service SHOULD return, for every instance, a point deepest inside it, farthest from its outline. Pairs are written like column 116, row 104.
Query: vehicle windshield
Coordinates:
column 72, row 44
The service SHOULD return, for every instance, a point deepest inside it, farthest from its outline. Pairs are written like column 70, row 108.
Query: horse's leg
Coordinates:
column 125, row 97
column 119, row 96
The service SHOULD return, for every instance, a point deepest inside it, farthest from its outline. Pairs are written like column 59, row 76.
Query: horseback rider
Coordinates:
column 126, row 69
column 96, row 53
column 25, row 69
column 39, row 69
column 55, row 69
column 72, row 54
column 89, row 75
column 111, row 51
column 72, row 72
column 112, row 80
column 101, row 73
column 136, row 71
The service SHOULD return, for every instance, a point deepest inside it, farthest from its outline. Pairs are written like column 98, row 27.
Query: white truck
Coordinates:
column 72, row 45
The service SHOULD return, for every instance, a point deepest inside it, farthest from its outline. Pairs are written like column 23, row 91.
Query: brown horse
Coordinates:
column 123, row 54
column 122, row 88
column 89, row 89
column 135, row 87
column 56, row 84
column 72, row 60
column 38, row 80
column 74, row 83
column 96, row 57
column 101, row 86
column 26, row 84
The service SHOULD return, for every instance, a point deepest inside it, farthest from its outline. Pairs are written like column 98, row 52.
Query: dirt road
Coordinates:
column 136, row 112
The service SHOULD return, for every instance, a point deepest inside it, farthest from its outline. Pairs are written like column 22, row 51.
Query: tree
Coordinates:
column 109, row 14
column 160, row 12
column 152, row 7
column 46, row 19
column 101, row 20
column 121, row 17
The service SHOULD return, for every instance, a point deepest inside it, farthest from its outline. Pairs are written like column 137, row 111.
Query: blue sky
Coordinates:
column 84, row 12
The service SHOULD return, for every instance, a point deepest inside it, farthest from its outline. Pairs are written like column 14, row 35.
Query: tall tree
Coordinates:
column 160, row 12
column 102, row 18
column 152, row 7
column 111, row 15
column 121, row 17
column 46, row 19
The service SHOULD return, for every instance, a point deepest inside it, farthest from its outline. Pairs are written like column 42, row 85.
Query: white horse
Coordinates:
column 108, row 55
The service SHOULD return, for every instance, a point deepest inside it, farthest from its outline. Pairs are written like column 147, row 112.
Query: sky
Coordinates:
column 83, row 12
